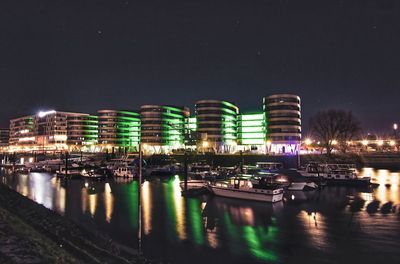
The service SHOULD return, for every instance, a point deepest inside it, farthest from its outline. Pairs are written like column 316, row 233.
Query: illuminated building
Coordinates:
column 252, row 132
column 22, row 132
column 283, row 115
column 4, row 137
column 191, row 135
column 217, row 125
column 163, row 127
column 82, row 132
column 119, row 130
column 53, row 130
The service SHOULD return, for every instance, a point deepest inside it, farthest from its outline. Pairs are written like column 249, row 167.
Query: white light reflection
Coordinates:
column 108, row 202
column 179, row 203
column 41, row 190
column 146, row 201
column 314, row 225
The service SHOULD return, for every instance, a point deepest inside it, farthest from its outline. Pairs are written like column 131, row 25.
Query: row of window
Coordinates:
column 214, row 112
column 219, row 105
column 285, row 138
column 145, row 111
column 282, row 100
column 284, row 130
column 284, row 122
column 282, row 107
column 284, row 115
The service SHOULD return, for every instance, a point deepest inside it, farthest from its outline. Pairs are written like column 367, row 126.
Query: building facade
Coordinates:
column 163, row 128
column 82, row 132
column 217, row 125
column 22, row 134
column 53, row 131
column 252, row 132
column 4, row 137
column 283, row 115
column 118, row 130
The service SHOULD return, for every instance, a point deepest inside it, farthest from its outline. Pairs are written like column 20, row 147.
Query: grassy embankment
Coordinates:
column 31, row 233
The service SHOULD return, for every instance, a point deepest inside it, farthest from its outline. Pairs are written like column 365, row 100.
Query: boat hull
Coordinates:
column 191, row 185
column 247, row 195
column 124, row 176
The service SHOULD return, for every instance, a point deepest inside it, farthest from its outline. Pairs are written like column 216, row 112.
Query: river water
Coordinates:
column 333, row 225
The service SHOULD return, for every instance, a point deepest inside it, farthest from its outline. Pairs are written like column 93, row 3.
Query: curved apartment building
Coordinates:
column 163, row 127
column 283, row 115
column 217, row 125
column 119, row 129
column 82, row 131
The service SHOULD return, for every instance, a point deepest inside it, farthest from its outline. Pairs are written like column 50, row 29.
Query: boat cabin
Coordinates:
column 270, row 166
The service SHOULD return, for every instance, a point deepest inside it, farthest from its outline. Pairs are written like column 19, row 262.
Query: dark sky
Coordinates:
column 85, row 55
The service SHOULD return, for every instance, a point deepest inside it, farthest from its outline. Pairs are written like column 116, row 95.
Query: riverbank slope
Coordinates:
column 31, row 233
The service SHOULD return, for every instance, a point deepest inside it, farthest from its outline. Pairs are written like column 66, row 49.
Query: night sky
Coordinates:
column 86, row 55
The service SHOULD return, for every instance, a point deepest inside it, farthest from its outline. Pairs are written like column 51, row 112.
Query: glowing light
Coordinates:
column 269, row 143
column 380, row 142
column 45, row 113
column 365, row 142
column 395, row 126
column 392, row 143
column 205, row 144
column 308, row 141
column 26, row 139
column 334, row 142
column 60, row 137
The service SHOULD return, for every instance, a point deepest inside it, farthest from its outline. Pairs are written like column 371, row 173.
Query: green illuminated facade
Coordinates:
column 82, row 130
column 163, row 127
column 119, row 129
column 217, row 125
column 252, row 129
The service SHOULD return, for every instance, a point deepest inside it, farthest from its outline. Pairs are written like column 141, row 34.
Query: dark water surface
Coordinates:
column 334, row 225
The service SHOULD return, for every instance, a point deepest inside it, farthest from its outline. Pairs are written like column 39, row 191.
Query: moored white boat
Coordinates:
column 334, row 174
column 194, row 184
column 242, row 188
column 93, row 173
column 125, row 172
column 302, row 186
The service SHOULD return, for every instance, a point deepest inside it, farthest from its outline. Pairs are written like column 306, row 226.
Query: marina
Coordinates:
column 207, row 228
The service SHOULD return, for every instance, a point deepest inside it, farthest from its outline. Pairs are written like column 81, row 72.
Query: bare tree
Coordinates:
column 334, row 125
